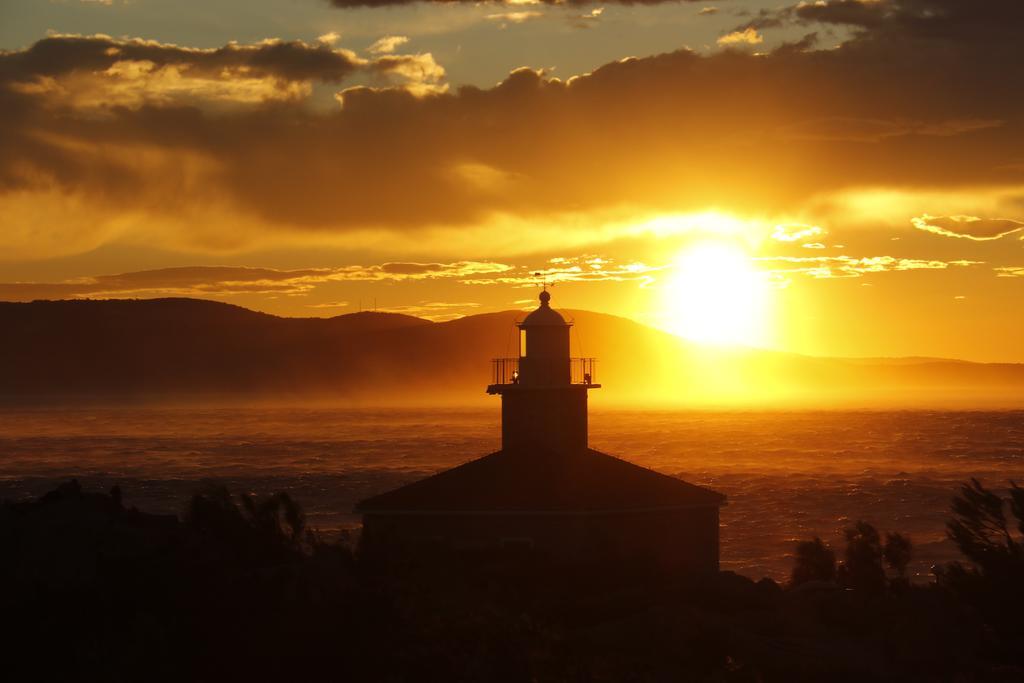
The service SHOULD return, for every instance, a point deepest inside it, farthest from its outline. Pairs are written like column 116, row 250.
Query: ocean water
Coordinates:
column 788, row 475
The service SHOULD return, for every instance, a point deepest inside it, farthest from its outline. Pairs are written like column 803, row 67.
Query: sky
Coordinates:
column 835, row 178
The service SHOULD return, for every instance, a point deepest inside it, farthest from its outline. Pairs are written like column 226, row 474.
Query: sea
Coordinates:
column 788, row 475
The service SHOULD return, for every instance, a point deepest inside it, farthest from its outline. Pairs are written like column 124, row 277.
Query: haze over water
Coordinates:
column 788, row 475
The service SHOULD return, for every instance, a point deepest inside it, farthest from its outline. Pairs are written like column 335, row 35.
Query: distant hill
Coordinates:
column 166, row 349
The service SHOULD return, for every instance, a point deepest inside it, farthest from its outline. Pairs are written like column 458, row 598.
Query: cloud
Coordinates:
column 577, row 269
column 747, row 36
column 707, row 11
column 797, row 233
column 388, row 44
column 587, row 19
column 330, row 304
column 100, row 72
column 968, row 227
column 913, row 103
column 419, row 271
column 832, row 267
column 847, row 129
column 437, row 311
column 183, row 281
column 347, row 4
column 862, row 13
column 1009, row 271
column 206, row 281
column 514, row 17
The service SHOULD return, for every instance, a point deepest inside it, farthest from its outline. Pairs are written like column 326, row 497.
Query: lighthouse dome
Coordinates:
column 544, row 315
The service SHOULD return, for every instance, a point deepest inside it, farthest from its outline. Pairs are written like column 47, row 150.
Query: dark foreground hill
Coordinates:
column 185, row 348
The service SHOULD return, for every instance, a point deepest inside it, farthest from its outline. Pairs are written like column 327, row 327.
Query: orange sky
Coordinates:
column 838, row 178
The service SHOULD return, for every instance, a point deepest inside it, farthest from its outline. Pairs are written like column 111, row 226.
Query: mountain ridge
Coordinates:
column 180, row 347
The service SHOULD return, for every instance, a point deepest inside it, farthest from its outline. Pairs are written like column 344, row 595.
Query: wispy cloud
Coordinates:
column 830, row 267
column 438, row 311
column 577, row 269
column 797, row 233
column 1009, row 271
column 968, row 227
column 519, row 17
column 588, row 19
column 388, row 44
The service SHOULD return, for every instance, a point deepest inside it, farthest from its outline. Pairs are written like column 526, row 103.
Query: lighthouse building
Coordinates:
column 546, row 492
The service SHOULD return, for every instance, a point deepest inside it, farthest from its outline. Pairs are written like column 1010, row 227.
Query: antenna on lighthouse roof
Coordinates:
column 544, row 282
column 545, row 295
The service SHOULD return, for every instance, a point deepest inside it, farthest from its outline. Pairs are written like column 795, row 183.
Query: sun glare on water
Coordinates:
column 716, row 296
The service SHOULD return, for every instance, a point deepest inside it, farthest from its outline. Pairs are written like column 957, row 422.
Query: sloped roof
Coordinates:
column 586, row 481
column 544, row 316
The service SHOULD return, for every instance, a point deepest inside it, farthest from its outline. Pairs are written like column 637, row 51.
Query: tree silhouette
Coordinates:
column 993, row 583
column 862, row 566
column 897, row 552
column 814, row 561
column 277, row 516
column 981, row 530
column 261, row 531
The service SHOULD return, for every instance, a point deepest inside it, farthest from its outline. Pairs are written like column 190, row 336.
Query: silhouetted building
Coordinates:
column 546, row 492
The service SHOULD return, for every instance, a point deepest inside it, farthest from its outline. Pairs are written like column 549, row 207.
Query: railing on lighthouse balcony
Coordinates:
column 507, row 372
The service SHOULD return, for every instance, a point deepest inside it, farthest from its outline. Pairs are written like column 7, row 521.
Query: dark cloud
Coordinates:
column 200, row 281
column 60, row 55
column 808, row 42
column 183, row 281
column 854, row 12
column 931, row 19
column 99, row 70
column 919, row 101
column 874, row 130
column 346, row 4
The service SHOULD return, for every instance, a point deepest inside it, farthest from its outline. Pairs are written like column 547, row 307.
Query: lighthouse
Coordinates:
column 544, row 390
column 546, row 494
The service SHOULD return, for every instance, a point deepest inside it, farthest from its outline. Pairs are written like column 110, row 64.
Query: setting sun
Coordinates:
column 715, row 296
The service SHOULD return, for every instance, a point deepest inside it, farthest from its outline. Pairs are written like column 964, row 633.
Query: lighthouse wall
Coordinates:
column 549, row 418
column 546, row 358
column 683, row 540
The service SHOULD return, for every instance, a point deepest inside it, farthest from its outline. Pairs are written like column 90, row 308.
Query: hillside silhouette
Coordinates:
column 164, row 349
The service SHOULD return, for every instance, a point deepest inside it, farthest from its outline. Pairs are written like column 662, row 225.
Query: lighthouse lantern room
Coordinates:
column 544, row 390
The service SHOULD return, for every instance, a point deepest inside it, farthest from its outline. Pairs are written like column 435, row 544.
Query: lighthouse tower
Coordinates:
column 544, row 390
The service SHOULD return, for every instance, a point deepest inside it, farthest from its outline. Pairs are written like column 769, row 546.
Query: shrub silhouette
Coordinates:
column 814, row 561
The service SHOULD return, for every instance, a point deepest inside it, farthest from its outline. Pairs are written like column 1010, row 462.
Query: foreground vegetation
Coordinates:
column 240, row 589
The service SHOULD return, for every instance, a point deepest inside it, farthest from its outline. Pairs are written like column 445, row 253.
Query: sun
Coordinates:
column 716, row 296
